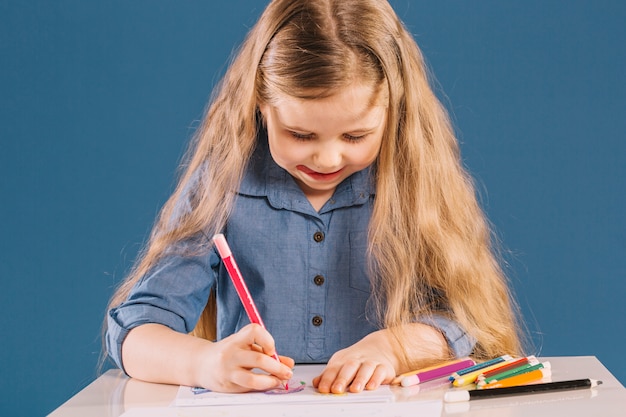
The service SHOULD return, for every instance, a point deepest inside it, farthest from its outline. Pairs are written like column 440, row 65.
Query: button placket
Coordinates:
column 317, row 286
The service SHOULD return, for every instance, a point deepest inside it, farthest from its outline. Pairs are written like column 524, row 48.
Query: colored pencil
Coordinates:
column 507, row 366
column 459, row 395
column 470, row 378
column 513, row 372
column 521, row 379
column 240, row 285
column 480, row 366
column 398, row 378
column 431, row 374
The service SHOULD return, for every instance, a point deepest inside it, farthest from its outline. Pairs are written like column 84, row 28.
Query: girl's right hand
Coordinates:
column 226, row 366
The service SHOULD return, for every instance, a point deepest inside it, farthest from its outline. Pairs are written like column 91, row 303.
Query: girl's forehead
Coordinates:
column 369, row 94
column 348, row 109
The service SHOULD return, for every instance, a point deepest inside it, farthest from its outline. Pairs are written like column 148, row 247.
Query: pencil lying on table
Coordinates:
column 434, row 372
column 398, row 379
column 522, row 379
column 508, row 366
column 460, row 395
column 487, row 382
column 480, row 366
column 470, row 378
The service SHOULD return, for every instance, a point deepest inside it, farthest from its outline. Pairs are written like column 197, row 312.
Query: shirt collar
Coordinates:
column 264, row 178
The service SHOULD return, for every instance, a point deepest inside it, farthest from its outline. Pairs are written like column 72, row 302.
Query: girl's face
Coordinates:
column 321, row 142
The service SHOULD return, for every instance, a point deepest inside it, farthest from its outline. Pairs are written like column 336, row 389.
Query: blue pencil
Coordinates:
column 479, row 366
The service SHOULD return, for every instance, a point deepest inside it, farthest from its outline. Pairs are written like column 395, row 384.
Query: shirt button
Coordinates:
column 318, row 236
column 318, row 280
column 317, row 321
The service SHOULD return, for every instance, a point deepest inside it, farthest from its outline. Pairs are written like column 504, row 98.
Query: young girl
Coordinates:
column 334, row 173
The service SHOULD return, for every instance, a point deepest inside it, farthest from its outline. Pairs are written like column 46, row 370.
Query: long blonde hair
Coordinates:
column 428, row 237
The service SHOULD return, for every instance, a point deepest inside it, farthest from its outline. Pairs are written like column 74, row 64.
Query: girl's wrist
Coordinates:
column 200, row 358
column 387, row 343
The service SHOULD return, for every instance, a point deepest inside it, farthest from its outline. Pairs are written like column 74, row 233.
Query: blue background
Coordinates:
column 98, row 100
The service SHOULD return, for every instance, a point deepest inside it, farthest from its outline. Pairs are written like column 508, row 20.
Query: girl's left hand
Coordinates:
column 365, row 365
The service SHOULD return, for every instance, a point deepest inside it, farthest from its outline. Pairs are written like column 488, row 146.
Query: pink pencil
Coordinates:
column 436, row 373
column 240, row 284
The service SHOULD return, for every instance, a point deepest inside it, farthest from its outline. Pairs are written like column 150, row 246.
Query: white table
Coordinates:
column 112, row 394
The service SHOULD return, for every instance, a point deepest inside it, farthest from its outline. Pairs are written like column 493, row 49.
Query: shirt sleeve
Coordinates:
column 461, row 343
column 174, row 294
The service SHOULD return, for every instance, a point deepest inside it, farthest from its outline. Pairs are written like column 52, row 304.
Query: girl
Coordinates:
column 333, row 171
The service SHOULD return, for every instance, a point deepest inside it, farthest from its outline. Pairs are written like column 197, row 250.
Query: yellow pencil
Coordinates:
column 470, row 378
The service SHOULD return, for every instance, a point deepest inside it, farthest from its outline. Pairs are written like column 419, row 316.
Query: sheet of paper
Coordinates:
column 428, row 408
column 304, row 393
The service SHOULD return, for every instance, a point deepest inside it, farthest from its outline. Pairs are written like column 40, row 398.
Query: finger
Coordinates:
column 261, row 338
column 251, row 381
column 363, row 376
column 287, row 361
column 242, row 375
column 261, row 341
column 255, row 335
column 380, row 376
column 345, row 376
column 250, row 359
column 323, row 381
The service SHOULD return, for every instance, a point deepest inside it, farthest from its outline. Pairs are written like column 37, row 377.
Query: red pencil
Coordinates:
column 240, row 284
column 507, row 366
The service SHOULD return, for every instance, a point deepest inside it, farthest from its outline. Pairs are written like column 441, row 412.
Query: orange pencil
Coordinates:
column 522, row 379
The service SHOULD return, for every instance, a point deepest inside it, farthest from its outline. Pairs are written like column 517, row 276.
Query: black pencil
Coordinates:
column 466, row 395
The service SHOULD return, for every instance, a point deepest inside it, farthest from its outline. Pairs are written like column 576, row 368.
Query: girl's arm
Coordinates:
column 156, row 353
column 378, row 358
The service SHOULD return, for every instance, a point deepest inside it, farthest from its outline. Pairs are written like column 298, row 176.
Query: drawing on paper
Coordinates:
column 293, row 387
column 199, row 390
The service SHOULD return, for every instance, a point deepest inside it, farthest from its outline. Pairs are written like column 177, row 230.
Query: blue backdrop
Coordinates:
column 98, row 100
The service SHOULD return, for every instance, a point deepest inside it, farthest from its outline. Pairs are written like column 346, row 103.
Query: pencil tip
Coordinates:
column 595, row 382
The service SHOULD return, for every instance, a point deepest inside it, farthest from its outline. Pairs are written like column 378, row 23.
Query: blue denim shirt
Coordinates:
column 306, row 271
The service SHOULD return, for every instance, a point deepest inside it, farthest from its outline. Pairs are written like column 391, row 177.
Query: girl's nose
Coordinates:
column 328, row 158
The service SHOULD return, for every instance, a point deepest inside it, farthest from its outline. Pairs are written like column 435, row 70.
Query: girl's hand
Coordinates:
column 365, row 365
column 226, row 366
column 377, row 359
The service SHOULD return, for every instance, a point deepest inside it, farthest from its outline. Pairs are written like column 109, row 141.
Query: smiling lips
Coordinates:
column 319, row 176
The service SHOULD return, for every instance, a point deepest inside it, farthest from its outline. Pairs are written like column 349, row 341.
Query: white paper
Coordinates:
column 309, row 395
column 429, row 408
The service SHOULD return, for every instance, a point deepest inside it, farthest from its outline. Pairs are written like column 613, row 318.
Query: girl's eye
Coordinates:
column 309, row 136
column 301, row 136
column 352, row 138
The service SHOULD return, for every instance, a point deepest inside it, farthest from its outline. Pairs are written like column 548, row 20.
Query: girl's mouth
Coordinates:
column 319, row 176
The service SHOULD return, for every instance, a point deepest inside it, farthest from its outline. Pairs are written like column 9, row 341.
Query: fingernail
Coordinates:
column 357, row 387
column 338, row 388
